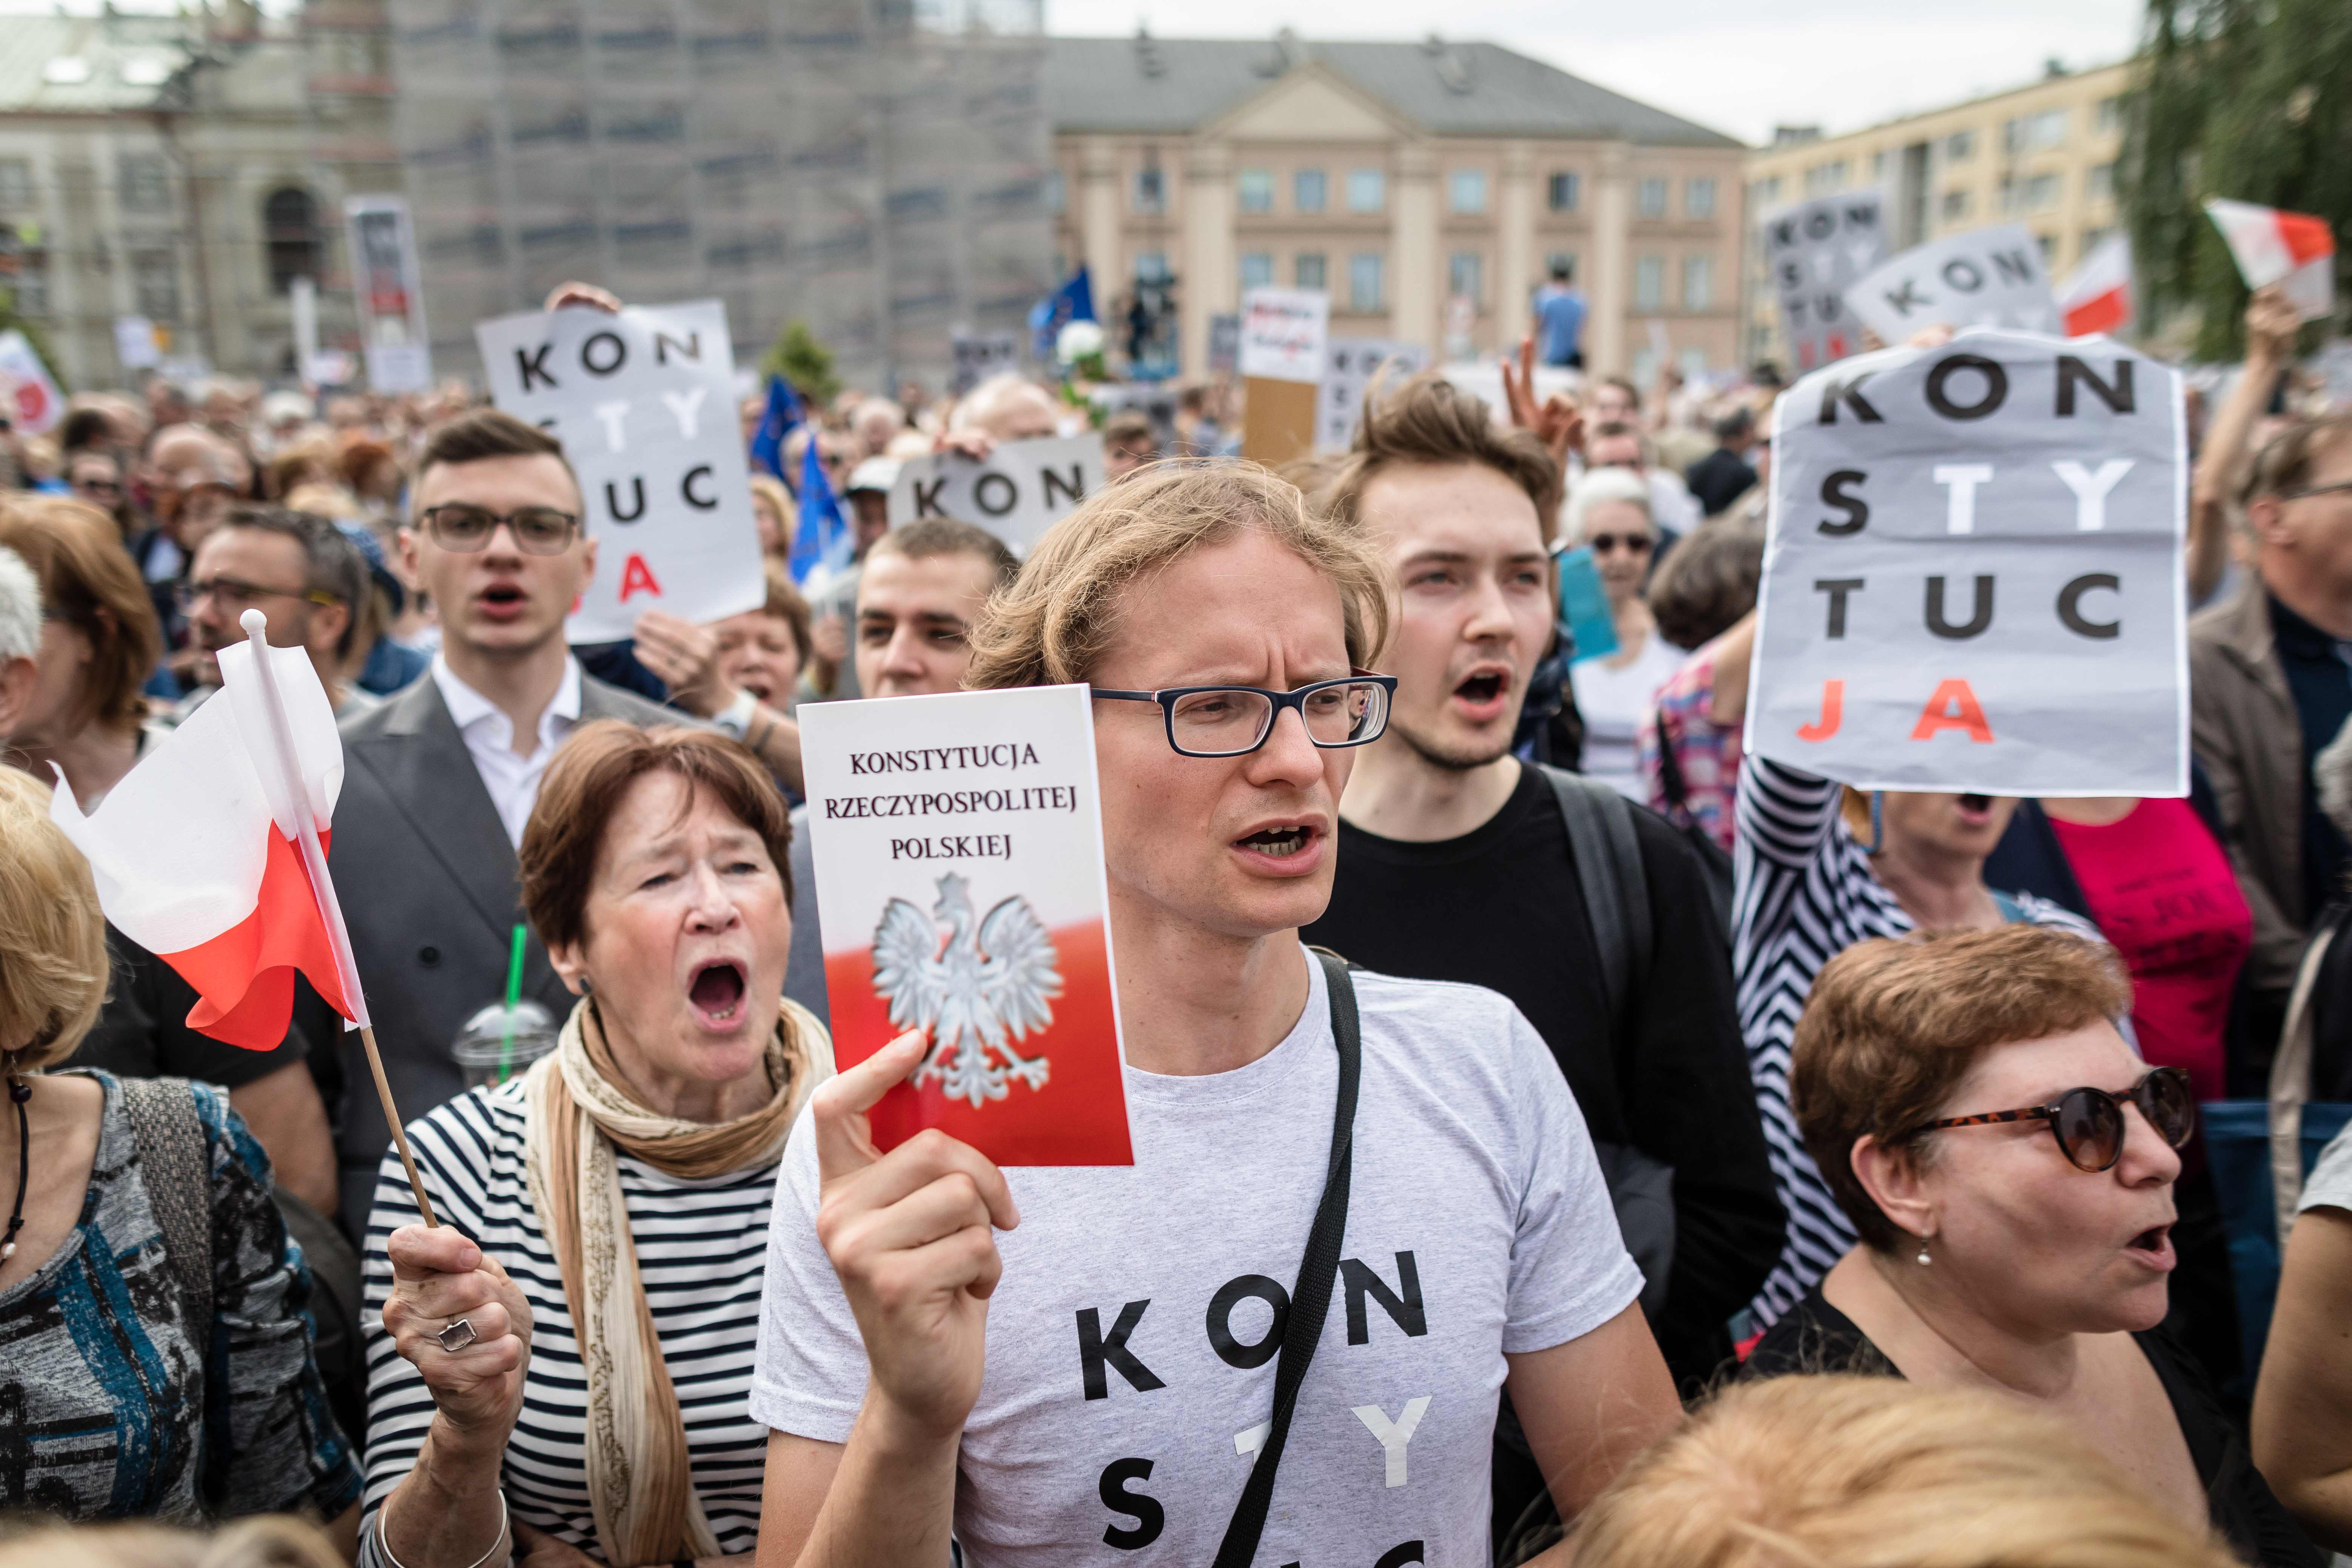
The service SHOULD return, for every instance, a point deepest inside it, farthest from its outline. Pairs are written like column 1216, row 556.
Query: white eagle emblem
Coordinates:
column 976, row 993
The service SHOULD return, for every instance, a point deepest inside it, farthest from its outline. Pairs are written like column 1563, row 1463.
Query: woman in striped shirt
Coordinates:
column 569, row 1353
column 1811, row 883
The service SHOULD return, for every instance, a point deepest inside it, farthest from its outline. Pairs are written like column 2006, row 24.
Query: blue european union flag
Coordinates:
column 823, row 538
column 784, row 412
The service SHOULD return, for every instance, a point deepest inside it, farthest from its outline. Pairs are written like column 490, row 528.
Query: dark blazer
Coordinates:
column 429, row 889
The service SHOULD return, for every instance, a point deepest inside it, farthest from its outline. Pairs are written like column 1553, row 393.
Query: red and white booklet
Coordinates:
column 958, row 846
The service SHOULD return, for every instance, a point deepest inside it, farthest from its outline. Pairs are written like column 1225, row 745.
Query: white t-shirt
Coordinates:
column 1132, row 1341
column 1614, row 703
column 2329, row 1185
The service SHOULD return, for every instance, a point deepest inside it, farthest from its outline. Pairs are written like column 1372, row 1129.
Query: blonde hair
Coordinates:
column 1872, row 1472
column 52, row 936
column 265, row 1541
column 1060, row 616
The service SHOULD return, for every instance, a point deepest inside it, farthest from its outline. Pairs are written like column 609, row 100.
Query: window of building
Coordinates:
column 29, row 289
column 290, row 228
column 2099, row 185
column 1366, row 283
column 1650, row 198
column 1566, row 188
column 1151, row 189
column 1254, row 191
column 1307, row 190
column 1650, row 283
column 2110, row 115
column 1057, row 194
column 1258, row 269
column 143, row 182
column 2034, row 133
column 1823, row 178
column 1368, row 189
column 1309, row 272
column 1960, row 146
column 1465, row 277
column 1765, row 191
column 1466, row 190
column 1151, row 267
column 15, row 184
column 1699, row 198
column 2042, row 192
column 1698, row 282
column 1956, row 206
column 2094, row 236
column 155, row 283
column 1878, row 165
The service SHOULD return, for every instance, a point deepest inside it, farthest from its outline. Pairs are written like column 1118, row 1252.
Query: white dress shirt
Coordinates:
column 512, row 779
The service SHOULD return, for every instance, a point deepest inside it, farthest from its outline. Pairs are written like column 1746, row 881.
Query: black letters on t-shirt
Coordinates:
column 1149, row 1518
column 1095, row 1351
column 1404, row 1310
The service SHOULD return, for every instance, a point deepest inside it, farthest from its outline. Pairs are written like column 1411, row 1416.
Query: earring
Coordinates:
column 1924, row 1259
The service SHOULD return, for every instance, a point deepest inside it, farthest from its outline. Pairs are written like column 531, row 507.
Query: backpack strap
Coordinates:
column 2290, row 1086
column 176, row 1166
column 1609, row 867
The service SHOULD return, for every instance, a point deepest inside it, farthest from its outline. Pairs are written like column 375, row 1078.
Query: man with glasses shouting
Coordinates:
column 441, row 777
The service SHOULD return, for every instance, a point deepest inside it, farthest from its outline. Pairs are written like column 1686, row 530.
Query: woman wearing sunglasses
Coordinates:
column 2008, row 1163
column 1608, row 514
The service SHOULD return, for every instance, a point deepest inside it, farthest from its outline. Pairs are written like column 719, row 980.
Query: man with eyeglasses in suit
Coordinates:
column 302, row 573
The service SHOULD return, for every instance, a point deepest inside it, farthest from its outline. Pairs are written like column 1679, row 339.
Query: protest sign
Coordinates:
column 957, row 848
column 981, row 355
column 134, row 343
column 1975, row 579
column 1286, row 334
column 34, row 401
column 1985, row 278
column 642, row 402
column 388, row 293
column 2294, row 250
column 1350, row 367
column 1017, row 492
column 1813, row 250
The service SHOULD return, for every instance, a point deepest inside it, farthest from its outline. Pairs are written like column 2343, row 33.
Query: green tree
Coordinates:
column 2239, row 98
column 801, row 359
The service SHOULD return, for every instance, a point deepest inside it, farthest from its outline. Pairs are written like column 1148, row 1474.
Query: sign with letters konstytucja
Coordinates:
column 644, row 403
column 960, row 888
column 1974, row 575
column 1017, row 492
column 1814, row 250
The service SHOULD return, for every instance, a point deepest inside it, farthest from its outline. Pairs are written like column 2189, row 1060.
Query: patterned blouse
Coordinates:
column 111, row 1407
column 1706, row 753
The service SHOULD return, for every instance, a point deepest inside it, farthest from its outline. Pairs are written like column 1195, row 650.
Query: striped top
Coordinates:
column 701, row 1249
column 1805, row 893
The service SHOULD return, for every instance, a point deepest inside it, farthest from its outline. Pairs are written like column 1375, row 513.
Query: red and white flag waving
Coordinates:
column 198, row 852
column 2096, row 297
column 2294, row 250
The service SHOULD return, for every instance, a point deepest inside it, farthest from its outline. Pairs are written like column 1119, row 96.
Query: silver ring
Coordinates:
column 457, row 1336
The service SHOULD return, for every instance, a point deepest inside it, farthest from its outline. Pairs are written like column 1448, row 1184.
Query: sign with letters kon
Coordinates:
column 644, row 403
column 1813, row 250
column 1974, row 580
column 1017, row 492
column 957, row 848
column 1985, row 278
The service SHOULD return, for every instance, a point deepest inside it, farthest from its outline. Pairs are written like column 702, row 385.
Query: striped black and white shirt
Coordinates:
column 701, row 1249
column 1805, row 893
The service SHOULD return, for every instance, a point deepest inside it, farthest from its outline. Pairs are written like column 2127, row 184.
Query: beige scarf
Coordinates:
column 580, row 1118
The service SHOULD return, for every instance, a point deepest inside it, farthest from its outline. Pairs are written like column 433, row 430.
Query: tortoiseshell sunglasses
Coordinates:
column 2089, row 1122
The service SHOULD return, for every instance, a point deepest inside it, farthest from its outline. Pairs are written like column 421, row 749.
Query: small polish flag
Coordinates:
column 2293, row 250
column 198, row 855
column 2096, row 297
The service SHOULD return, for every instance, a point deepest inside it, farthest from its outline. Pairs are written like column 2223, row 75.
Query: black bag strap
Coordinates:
column 175, row 1167
column 1609, row 867
column 1670, row 767
column 1310, row 1297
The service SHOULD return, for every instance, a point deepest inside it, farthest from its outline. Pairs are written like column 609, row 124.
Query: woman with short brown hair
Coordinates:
column 571, row 1350
column 2009, row 1161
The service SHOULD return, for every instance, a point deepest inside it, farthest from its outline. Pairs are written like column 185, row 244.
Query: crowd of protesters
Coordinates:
column 1721, row 1155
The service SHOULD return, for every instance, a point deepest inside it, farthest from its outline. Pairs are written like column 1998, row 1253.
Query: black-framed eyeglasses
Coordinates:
column 1234, row 720
column 2089, row 1122
column 2339, row 488
column 538, row 530
column 236, row 596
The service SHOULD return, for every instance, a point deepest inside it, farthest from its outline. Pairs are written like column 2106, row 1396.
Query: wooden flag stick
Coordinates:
column 322, row 889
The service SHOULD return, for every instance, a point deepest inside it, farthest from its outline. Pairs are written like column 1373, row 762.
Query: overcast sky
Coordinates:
column 1740, row 67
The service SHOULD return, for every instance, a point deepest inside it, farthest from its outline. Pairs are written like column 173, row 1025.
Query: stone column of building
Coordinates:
column 1098, row 204
column 1415, row 290
column 1206, row 282
column 1515, row 245
column 1609, row 288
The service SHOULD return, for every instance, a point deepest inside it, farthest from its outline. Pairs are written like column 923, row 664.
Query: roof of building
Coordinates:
column 1168, row 86
column 87, row 65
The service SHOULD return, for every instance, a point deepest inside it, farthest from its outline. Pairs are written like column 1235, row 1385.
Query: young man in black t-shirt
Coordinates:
column 1455, row 863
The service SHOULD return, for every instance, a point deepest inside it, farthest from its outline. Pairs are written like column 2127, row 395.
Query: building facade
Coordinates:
column 2043, row 155
column 1426, row 187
